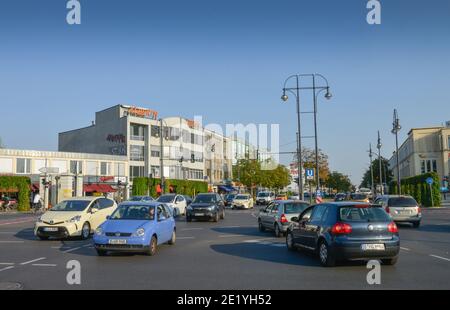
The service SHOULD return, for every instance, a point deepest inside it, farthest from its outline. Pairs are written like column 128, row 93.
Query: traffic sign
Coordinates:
column 430, row 181
column 49, row 170
column 309, row 173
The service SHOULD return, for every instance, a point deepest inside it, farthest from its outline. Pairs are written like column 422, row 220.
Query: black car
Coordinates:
column 345, row 231
column 208, row 206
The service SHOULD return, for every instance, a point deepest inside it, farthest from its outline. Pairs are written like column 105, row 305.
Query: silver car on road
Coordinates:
column 277, row 215
column 401, row 208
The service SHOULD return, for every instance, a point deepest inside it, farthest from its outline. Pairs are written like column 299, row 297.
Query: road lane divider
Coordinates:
column 7, row 268
column 6, row 264
column 17, row 222
column 44, row 265
column 440, row 257
column 33, row 261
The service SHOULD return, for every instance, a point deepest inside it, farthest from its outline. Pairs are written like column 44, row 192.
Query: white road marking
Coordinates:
column 71, row 250
column 12, row 241
column 440, row 257
column 183, row 238
column 188, row 229
column 44, row 265
column 6, row 268
column 33, row 261
column 229, row 236
column 6, row 264
column 18, row 222
column 405, row 249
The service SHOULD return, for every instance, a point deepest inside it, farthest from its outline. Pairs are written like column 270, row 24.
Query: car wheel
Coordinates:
column 277, row 230
column 222, row 215
column 416, row 224
column 216, row 217
column 290, row 241
column 85, row 231
column 174, row 238
column 43, row 238
column 152, row 247
column 101, row 252
column 326, row 258
column 390, row 261
column 261, row 227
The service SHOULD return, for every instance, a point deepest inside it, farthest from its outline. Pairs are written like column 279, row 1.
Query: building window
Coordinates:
column 448, row 143
column 23, row 166
column 154, row 131
column 155, row 171
column 155, row 151
column 105, row 168
column 137, row 153
column 137, row 132
column 76, row 167
column 429, row 165
column 136, row 172
column 120, row 169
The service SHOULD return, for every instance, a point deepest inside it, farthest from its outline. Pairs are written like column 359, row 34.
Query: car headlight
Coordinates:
column 211, row 208
column 189, row 208
column 74, row 219
column 140, row 232
column 99, row 231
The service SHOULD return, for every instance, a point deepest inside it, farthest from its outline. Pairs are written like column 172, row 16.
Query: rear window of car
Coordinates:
column 402, row 202
column 295, row 208
column 242, row 197
column 363, row 214
column 359, row 196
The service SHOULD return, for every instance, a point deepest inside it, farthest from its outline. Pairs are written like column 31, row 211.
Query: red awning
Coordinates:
column 98, row 188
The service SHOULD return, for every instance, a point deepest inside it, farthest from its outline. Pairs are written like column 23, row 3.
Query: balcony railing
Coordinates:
column 137, row 138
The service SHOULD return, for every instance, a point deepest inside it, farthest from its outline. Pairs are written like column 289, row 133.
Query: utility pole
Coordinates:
column 161, row 155
column 371, row 169
column 395, row 129
column 379, row 145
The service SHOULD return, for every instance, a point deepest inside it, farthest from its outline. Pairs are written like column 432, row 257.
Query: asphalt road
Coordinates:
column 228, row 255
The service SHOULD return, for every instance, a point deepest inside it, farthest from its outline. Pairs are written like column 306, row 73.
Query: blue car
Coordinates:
column 136, row 227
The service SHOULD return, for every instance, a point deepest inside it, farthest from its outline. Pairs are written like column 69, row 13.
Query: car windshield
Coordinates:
column 402, row 202
column 242, row 197
column 166, row 198
column 231, row 196
column 263, row 195
column 363, row 214
column 137, row 198
column 71, row 205
column 134, row 213
column 359, row 196
column 295, row 208
column 205, row 199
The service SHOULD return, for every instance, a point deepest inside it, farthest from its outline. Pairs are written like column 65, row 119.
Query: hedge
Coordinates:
column 419, row 189
column 21, row 185
column 147, row 186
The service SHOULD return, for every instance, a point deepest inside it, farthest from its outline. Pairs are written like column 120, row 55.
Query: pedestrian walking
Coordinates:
column 36, row 201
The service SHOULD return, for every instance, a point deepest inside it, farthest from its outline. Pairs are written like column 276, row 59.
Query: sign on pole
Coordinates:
column 309, row 173
column 49, row 170
column 430, row 182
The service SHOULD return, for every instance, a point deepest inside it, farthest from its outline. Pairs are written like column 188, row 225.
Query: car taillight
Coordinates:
column 341, row 229
column 392, row 228
column 283, row 219
column 388, row 210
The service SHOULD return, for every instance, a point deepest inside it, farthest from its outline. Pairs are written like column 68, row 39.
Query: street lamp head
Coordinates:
column 284, row 97
column 328, row 95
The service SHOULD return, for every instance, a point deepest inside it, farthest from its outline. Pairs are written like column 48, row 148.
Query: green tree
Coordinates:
column 339, row 182
column 309, row 161
column 387, row 173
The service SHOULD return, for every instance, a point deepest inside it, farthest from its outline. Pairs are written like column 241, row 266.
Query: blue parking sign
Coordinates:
column 430, row 181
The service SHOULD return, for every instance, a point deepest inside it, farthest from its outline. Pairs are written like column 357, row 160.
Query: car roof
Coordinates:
column 292, row 201
column 141, row 203
column 348, row 204
column 90, row 198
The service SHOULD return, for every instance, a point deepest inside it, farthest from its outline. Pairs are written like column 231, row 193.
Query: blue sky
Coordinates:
column 226, row 60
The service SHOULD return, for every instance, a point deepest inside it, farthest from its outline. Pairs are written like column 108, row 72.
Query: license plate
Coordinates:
column 50, row 228
column 373, row 247
column 117, row 241
column 199, row 214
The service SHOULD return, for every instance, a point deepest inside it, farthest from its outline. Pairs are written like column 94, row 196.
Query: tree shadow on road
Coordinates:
column 443, row 228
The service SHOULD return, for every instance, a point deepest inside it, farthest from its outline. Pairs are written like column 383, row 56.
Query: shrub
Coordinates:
column 419, row 189
column 20, row 185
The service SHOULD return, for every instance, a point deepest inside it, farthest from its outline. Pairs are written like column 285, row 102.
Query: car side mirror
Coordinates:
column 108, row 217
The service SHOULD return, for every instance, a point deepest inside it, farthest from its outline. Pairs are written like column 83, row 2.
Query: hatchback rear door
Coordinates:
column 367, row 222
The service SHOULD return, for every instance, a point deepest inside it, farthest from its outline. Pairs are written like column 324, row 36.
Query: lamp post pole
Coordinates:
column 316, row 91
column 395, row 129
column 379, row 145
column 161, row 155
column 371, row 169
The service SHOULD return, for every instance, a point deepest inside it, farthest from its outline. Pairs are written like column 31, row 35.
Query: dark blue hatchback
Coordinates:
column 345, row 231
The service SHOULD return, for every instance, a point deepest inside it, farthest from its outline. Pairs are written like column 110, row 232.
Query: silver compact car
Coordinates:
column 402, row 209
column 277, row 215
